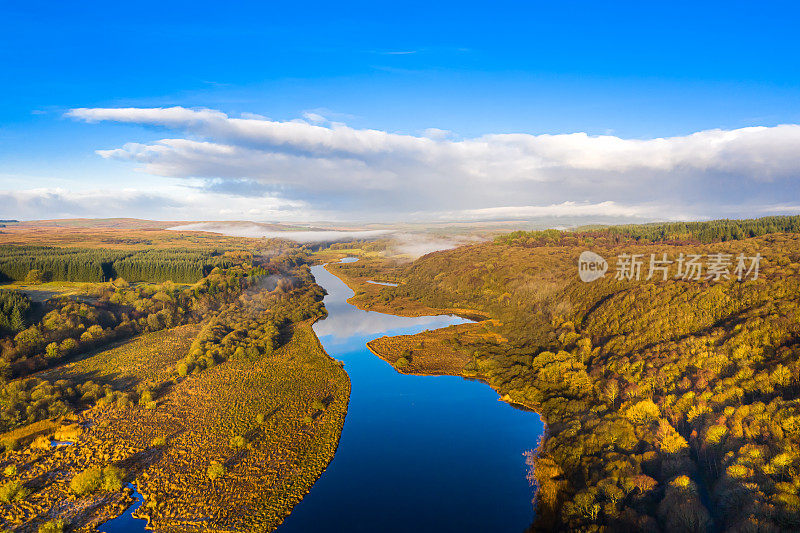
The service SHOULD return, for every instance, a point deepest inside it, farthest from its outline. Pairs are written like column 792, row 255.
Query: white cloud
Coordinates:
column 314, row 117
column 172, row 204
column 256, row 231
column 567, row 209
column 360, row 172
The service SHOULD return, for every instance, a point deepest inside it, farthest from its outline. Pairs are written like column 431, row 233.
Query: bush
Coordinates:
column 53, row 526
column 13, row 491
column 238, row 441
column 34, row 276
column 70, row 432
column 87, row 481
column 41, row 443
column 158, row 441
column 113, row 478
column 215, row 471
column 92, row 479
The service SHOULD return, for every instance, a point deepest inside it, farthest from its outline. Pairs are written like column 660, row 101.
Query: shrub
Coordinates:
column 238, row 441
column 92, row 479
column 52, row 351
column 34, row 276
column 215, row 471
column 70, row 432
column 158, row 441
column 53, row 526
column 87, row 481
column 41, row 443
column 13, row 491
column 146, row 397
column 113, row 478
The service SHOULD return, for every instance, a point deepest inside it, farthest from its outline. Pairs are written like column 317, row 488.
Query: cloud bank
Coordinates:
column 170, row 204
column 367, row 173
column 256, row 231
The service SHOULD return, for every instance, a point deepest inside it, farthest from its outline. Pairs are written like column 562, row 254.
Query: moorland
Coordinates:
column 185, row 361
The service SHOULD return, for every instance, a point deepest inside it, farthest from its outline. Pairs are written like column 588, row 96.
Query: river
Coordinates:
column 417, row 453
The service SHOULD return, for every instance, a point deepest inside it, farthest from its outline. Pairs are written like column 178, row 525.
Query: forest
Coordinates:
column 109, row 346
column 97, row 264
column 672, row 232
column 671, row 405
column 14, row 309
column 118, row 309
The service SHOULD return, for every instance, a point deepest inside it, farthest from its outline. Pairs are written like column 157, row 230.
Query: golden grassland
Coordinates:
column 147, row 357
column 434, row 352
column 46, row 471
column 369, row 297
column 120, row 239
column 300, row 393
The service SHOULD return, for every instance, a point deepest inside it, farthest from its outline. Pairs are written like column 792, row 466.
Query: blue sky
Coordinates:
column 626, row 71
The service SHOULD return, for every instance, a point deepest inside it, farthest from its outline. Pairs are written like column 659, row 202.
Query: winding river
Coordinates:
column 417, row 453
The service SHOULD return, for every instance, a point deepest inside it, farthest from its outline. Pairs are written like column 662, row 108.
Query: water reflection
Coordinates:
column 417, row 453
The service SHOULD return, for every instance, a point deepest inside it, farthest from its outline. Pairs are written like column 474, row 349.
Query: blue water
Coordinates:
column 384, row 283
column 417, row 453
column 126, row 523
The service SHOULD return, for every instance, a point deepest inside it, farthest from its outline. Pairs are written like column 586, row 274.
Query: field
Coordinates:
column 227, row 434
column 300, row 392
column 88, row 236
column 46, row 471
column 302, row 395
column 148, row 357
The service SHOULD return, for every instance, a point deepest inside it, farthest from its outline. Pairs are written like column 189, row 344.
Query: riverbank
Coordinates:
column 431, row 352
column 434, row 443
column 369, row 297
column 288, row 407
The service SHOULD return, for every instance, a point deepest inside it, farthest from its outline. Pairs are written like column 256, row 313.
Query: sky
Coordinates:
column 395, row 112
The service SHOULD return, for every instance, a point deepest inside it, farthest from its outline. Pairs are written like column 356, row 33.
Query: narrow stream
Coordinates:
column 126, row 522
column 417, row 453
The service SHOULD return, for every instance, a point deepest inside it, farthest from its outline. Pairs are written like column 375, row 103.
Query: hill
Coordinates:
column 672, row 403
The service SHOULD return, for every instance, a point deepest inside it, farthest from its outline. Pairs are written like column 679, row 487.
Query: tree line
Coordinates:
column 674, row 232
column 98, row 265
column 247, row 306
